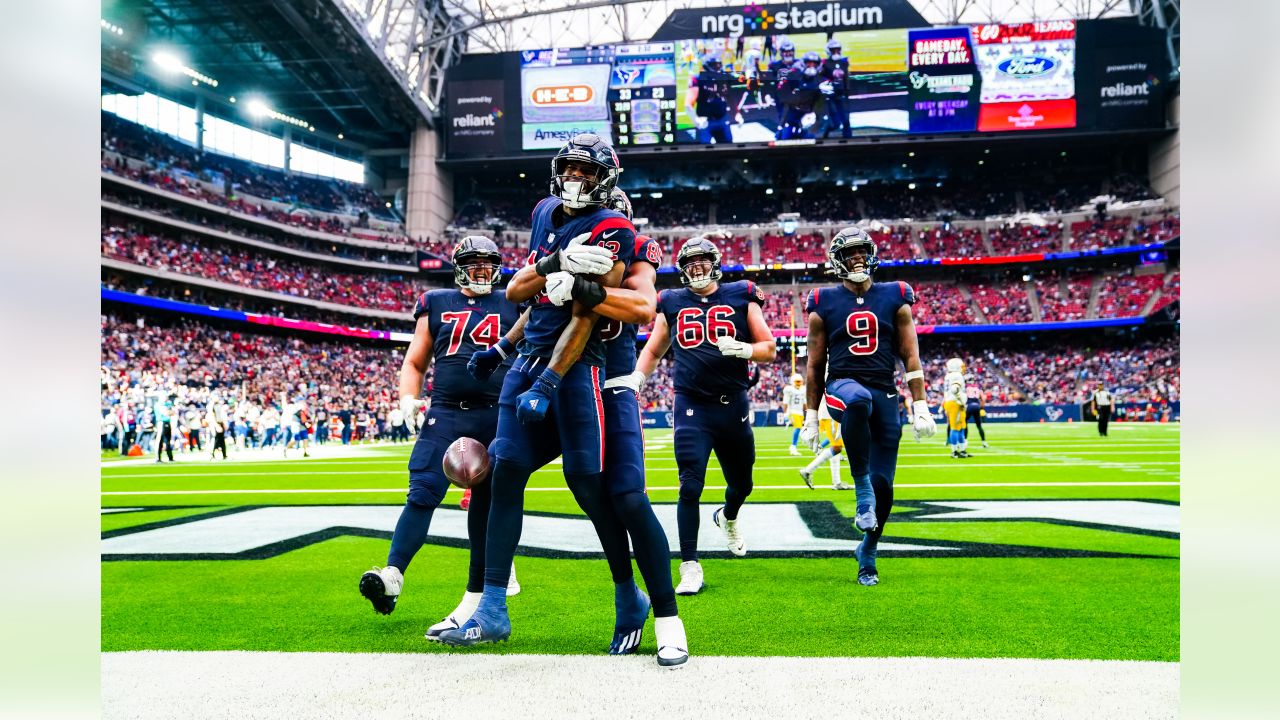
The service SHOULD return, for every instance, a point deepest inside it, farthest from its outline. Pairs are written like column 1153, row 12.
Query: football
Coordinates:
column 466, row 463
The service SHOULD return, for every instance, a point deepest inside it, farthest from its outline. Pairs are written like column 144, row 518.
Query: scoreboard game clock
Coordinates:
column 642, row 95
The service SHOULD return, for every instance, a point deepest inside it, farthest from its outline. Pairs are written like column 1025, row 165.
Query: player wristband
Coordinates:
column 810, row 416
column 914, row 375
column 548, row 264
column 589, row 293
column 550, row 378
column 504, row 347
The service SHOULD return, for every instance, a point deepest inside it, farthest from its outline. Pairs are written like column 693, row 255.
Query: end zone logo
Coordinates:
column 562, row 94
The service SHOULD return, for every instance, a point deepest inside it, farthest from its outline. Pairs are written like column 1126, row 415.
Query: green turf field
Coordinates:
column 1053, row 543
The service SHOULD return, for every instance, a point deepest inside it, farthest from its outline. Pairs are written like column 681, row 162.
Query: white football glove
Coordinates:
column 559, row 288
column 826, row 88
column 409, row 405
column 922, row 424
column 700, row 122
column 581, row 259
column 809, row 433
column 733, row 348
column 632, row 381
column 808, row 120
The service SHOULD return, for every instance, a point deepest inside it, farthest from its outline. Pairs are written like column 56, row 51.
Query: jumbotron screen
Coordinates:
column 756, row 90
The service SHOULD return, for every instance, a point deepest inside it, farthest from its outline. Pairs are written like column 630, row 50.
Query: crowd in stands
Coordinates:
column 1063, row 297
column 810, row 247
column 1096, row 234
column 1125, row 294
column 947, row 241
column 939, row 304
column 1002, row 302
column 196, row 216
column 1147, row 371
column 1016, row 238
column 1161, row 229
column 196, row 257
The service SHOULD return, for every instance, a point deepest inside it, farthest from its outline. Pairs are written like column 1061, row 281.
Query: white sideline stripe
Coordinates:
column 797, row 486
column 931, row 466
column 169, row 684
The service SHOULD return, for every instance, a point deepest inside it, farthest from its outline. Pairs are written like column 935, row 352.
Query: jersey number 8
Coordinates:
column 691, row 332
column 864, row 330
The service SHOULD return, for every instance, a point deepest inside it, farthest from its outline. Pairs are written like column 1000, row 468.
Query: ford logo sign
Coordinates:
column 1027, row 66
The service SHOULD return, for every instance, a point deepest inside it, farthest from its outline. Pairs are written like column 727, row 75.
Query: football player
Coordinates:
column 802, row 85
column 624, row 479
column 717, row 329
column 707, row 102
column 778, row 70
column 830, row 451
column 835, row 72
column 858, row 331
column 551, row 404
column 793, row 400
column 450, row 324
column 975, row 408
column 953, row 404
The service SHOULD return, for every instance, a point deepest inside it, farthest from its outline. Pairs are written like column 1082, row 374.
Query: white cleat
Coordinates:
column 795, row 450
column 673, row 648
column 733, row 537
column 513, row 585
column 381, row 587
column 690, row 578
column 807, row 477
column 838, row 484
column 984, row 444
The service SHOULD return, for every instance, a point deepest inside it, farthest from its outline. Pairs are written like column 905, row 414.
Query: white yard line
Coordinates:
column 462, row 685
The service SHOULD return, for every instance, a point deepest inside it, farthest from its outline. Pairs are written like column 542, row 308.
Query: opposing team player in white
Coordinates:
column 793, row 400
column 953, row 404
column 830, row 452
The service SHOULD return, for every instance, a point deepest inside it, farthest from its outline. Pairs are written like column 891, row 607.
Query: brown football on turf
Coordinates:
column 466, row 463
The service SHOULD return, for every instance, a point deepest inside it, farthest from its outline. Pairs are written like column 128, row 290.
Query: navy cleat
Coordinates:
column 483, row 627
column 867, row 573
column 628, row 630
column 381, row 587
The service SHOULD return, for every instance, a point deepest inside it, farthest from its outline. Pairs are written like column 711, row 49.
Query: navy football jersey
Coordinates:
column 862, row 340
column 695, row 322
column 460, row 326
column 552, row 231
column 620, row 338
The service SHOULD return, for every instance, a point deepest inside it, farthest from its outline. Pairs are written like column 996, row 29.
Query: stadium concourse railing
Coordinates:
column 353, row 240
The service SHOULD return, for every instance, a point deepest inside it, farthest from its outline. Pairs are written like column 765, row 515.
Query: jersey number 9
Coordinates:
column 864, row 330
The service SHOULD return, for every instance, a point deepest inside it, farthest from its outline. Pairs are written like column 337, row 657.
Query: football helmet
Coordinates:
column 797, row 379
column 619, row 201
column 575, row 191
column 811, row 64
column 695, row 248
column 955, row 365
column 833, row 48
column 477, row 253
column 842, row 249
column 787, row 51
column 712, row 63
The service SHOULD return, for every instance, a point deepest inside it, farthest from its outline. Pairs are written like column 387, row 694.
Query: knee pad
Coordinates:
column 427, row 490
column 691, row 489
column 629, row 503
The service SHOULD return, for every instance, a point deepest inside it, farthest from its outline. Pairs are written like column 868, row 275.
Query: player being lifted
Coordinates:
column 975, row 408
column 793, row 402
column 717, row 329
column 624, row 478
column 551, row 403
column 707, row 102
column 858, row 330
column 953, row 404
column 450, row 324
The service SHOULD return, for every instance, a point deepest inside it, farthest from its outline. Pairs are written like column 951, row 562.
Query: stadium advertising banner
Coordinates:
column 777, row 88
column 475, row 116
column 756, row 19
column 944, row 83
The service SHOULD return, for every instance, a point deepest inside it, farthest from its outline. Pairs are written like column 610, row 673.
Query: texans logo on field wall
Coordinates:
column 811, row 529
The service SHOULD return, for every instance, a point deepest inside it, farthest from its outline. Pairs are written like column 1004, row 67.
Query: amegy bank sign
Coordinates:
column 754, row 19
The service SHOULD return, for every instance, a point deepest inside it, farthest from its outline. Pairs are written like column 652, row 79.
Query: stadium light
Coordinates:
column 768, row 191
column 655, row 195
column 112, row 28
column 826, row 168
column 388, row 204
column 799, row 191
column 521, row 176
column 258, row 108
column 339, row 136
column 911, row 186
column 173, row 65
column 911, row 154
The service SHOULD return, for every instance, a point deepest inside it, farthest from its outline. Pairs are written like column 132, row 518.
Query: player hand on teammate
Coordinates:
column 532, row 404
column 922, row 424
column 809, row 433
column 559, row 288
column 733, row 348
column 631, row 381
column 578, row 259
column 484, row 362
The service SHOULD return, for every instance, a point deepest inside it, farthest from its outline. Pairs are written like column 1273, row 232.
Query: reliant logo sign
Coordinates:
column 475, row 117
column 759, row 19
column 1121, row 90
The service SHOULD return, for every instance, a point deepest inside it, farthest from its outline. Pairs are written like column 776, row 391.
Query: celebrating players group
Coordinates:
column 561, row 378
